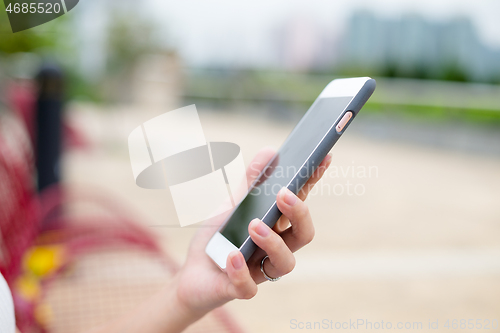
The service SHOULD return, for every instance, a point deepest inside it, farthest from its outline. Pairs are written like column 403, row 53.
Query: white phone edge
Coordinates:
column 344, row 87
column 219, row 247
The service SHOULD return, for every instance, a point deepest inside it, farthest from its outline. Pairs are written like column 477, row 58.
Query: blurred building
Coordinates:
column 157, row 82
column 415, row 47
column 301, row 44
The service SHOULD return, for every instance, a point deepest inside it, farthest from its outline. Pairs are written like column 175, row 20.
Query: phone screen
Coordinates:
column 286, row 164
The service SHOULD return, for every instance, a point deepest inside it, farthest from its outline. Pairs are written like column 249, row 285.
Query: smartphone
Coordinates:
column 294, row 163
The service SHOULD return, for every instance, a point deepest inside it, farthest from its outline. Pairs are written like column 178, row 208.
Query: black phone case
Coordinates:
column 249, row 247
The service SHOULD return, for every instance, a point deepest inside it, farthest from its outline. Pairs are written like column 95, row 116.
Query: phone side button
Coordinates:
column 345, row 119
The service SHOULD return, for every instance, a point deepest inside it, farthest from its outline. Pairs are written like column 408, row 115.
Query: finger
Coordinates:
column 258, row 163
column 318, row 173
column 242, row 285
column 302, row 230
column 281, row 260
column 283, row 223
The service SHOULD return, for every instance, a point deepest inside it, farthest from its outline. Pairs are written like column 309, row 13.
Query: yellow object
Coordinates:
column 43, row 314
column 28, row 287
column 44, row 260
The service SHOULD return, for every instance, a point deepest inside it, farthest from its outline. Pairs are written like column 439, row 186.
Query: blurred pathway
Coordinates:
column 418, row 241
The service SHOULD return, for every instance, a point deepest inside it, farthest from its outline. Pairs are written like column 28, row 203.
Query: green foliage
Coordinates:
column 448, row 71
column 453, row 72
column 23, row 41
column 78, row 88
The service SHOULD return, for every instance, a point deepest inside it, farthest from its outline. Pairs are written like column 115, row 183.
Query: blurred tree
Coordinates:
column 454, row 72
column 24, row 41
column 129, row 38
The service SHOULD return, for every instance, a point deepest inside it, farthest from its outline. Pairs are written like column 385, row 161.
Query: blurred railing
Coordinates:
column 425, row 97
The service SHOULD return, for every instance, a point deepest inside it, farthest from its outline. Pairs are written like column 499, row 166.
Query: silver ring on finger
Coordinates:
column 263, row 272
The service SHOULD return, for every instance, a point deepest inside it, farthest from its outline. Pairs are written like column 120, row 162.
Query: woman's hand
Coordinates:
column 201, row 286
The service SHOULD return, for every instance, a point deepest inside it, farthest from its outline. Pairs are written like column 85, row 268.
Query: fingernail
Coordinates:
column 328, row 158
column 261, row 229
column 237, row 261
column 289, row 198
